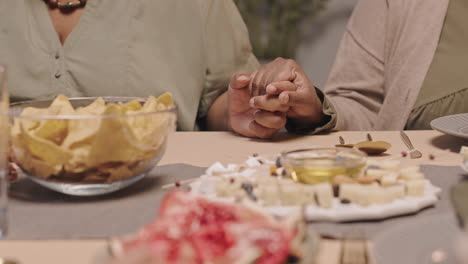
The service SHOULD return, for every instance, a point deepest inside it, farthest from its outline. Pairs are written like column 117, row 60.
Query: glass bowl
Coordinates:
column 318, row 165
column 84, row 153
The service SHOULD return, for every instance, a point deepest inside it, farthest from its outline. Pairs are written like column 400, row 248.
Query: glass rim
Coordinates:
column 81, row 117
column 285, row 154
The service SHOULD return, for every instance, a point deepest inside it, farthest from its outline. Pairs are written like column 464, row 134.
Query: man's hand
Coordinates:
column 282, row 86
column 246, row 120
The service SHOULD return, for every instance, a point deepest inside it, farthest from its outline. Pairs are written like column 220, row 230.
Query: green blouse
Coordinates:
column 445, row 89
column 127, row 48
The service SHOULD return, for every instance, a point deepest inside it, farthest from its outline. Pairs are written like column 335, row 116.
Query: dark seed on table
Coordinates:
column 177, row 184
column 431, row 157
column 255, row 155
column 248, row 187
column 345, row 201
column 278, row 162
column 231, row 180
column 284, row 173
column 274, row 174
column 252, row 197
column 260, row 161
column 404, row 154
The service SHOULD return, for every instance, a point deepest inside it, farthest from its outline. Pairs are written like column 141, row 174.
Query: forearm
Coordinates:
column 217, row 118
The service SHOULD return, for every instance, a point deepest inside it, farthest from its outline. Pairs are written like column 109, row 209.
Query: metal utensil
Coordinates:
column 343, row 144
column 414, row 153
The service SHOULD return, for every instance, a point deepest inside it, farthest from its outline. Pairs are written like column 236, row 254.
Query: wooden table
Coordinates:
column 204, row 148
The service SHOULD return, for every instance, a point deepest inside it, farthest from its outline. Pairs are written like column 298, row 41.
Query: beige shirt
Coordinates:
column 382, row 62
column 445, row 89
column 127, row 48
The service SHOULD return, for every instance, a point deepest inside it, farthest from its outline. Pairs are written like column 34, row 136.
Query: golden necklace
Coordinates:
column 68, row 4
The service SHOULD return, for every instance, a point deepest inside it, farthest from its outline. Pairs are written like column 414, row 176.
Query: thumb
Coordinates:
column 238, row 93
column 239, row 81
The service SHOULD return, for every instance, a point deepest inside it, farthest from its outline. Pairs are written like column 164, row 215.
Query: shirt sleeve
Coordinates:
column 356, row 84
column 227, row 48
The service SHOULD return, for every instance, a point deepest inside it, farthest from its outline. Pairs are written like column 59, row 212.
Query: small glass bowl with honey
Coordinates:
column 319, row 165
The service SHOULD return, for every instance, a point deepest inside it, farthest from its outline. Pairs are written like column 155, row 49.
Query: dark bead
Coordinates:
column 248, row 187
column 278, row 162
column 345, row 201
column 336, row 190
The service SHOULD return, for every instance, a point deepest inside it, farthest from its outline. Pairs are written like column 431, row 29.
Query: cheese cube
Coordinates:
column 397, row 191
column 228, row 188
column 415, row 187
column 324, row 193
column 464, row 152
column 408, row 172
column 412, row 176
column 362, row 195
column 308, row 195
column 349, row 192
column 266, row 180
column 376, row 173
column 269, row 193
column 390, row 164
column 291, row 194
column 378, row 195
column 389, row 179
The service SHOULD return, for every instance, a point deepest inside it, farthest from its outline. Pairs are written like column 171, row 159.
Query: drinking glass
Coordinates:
column 4, row 145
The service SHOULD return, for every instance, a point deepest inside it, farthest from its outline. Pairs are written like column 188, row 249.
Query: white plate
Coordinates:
column 351, row 212
column 455, row 125
column 418, row 241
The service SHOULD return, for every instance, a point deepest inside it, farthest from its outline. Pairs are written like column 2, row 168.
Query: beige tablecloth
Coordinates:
column 203, row 148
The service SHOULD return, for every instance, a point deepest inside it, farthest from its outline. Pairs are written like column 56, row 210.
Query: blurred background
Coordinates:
column 306, row 30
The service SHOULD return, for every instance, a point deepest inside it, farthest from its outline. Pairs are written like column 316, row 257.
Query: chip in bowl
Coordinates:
column 101, row 140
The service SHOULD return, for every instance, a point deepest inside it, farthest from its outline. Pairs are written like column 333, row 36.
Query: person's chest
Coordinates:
column 117, row 47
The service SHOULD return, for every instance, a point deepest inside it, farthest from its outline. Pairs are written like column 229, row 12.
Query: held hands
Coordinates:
column 246, row 120
column 275, row 92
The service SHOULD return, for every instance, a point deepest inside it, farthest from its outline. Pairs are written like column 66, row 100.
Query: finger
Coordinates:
column 256, row 86
column 276, row 120
column 268, row 103
column 292, row 98
column 239, row 80
column 279, row 87
column 261, row 131
column 284, row 69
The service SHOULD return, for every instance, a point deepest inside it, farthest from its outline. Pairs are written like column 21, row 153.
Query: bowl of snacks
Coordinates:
column 90, row 146
column 318, row 165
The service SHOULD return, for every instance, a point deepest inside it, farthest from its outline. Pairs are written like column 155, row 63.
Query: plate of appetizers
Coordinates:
column 192, row 229
column 364, row 190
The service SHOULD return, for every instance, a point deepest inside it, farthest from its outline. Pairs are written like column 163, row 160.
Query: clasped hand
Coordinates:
column 260, row 103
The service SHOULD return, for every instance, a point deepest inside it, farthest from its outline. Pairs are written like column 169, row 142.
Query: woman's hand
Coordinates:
column 246, row 120
column 282, row 86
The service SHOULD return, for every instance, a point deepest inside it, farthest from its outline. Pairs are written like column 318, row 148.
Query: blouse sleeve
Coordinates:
column 227, row 48
column 356, row 83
